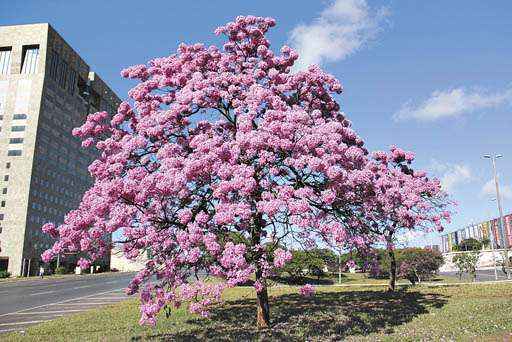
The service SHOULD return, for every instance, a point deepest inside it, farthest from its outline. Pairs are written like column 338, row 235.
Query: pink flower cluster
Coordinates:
column 307, row 290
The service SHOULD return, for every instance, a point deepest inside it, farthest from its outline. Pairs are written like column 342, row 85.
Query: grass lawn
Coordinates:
column 362, row 278
column 460, row 312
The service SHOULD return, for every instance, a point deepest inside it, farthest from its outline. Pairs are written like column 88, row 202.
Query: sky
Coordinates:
column 433, row 77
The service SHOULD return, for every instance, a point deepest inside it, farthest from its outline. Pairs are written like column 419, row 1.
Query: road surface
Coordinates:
column 36, row 300
column 481, row 275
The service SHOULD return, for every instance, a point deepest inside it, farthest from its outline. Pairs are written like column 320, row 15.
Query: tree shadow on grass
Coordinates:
column 323, row 317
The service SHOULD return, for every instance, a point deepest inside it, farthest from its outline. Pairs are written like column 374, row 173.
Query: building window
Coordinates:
column 1, row 117
column 5, row 60
column 6, row 178
column 2, row 204
column 14, row 153
column 54, row 65
column 4, row 191
column 19, row 116
column 1, row 217
column 8, row 165
column 15, row 140
column 30, row 55
column 17, row 128
column 63, row 73
column 72, row 81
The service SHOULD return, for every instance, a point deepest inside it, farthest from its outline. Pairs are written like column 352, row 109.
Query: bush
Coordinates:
column 4, row 274
column 60, row 270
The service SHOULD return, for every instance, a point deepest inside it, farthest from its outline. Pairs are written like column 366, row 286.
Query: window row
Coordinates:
column 65, row 76
column 16, row 117
column 57, row 200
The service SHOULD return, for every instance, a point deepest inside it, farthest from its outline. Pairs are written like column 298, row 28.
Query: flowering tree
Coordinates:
column 219, row 156
column 385, row 200
column 400, row 200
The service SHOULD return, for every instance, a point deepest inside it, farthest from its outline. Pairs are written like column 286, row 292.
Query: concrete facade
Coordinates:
column 46, row 90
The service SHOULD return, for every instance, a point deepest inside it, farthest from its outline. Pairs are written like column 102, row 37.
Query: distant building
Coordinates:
column 46, row 90
column 481, row 231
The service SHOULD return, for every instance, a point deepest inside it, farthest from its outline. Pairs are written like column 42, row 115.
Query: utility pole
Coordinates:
column 498, row 200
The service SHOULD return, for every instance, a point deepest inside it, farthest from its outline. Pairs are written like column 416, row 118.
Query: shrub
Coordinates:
column 60, row 270
column 4, row 274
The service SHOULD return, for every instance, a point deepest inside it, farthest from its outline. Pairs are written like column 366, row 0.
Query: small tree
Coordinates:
column 486, row 242
column 506, row 264
column 466, row 262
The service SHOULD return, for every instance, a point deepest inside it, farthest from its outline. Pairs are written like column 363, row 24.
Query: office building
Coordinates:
column 46, row 90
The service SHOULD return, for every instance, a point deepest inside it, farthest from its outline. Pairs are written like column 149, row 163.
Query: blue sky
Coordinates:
column 434, row 77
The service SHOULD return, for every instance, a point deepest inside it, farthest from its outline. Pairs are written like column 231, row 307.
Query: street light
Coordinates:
column 498, row 200
column 492, row 246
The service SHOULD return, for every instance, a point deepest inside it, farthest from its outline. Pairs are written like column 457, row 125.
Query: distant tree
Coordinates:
column 418, row 264
column 304, row 263
column 414, row 264
column 470, row 244
column 460, row 264
column 466, row 262
column 486, row 242
column 506, row 264
column 399, row 199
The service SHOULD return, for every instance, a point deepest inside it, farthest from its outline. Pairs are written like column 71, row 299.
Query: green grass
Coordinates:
column 460, row 312
column 362, row 278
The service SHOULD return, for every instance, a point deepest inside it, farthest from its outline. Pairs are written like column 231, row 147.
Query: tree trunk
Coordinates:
column 392, row 270
column 263, row 307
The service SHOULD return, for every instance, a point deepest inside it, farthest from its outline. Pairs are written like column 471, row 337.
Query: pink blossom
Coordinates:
column 307, row 290
column 281, row 257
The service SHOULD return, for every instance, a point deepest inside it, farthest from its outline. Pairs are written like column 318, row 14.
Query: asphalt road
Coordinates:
column 37, row 300
column 481, row 275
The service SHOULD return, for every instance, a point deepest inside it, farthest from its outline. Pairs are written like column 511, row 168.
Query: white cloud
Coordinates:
column 340, row 30
column 489, row 190
column 452, row 103
column 452, row 175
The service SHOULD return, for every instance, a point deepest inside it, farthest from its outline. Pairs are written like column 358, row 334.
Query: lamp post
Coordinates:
column 491, row 233
column 498, row 201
